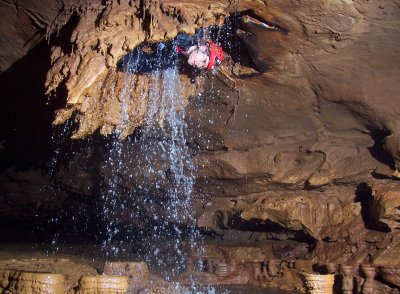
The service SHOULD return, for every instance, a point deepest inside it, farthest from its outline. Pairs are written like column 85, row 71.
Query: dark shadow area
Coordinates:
column 79, row 209
column 28, row 143
column 62, row 38
column 233, row 42
column 377, row 150
column 364, row 197
column 27, row 114
column 269, row 227
column 381, row 280
column 25, row 123
column 227, row 37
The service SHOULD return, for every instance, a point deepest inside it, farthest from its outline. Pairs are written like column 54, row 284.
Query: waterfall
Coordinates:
column 158, row 164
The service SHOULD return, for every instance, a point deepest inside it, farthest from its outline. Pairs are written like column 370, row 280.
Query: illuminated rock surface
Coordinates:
column 304, row 149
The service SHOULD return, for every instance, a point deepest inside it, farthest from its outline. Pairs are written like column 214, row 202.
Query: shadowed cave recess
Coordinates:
column 278, row 170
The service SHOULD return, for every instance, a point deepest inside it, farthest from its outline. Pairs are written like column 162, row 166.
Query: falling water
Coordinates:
column 65, row 221
column 174, row 178
column 163, row 182
column 59, row 136
column 146, row 179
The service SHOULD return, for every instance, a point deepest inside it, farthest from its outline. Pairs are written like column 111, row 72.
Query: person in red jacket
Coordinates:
column 197, row 51
column 207, row 56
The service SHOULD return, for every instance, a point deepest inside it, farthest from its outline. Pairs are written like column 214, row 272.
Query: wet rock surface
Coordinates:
column 27, row 270
column 217, row 266
column 305, row 147
column 31, row 271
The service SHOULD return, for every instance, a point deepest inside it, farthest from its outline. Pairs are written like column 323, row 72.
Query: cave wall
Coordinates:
column 298, row 145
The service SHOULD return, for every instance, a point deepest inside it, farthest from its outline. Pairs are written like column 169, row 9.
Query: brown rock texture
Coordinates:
column 137, row 273
column 31, row 283
column 385, row 207
column 298, row 213
column 23, row 23
column 103, row 283
column 115, row 29
column 38, row 274
column 304, row 148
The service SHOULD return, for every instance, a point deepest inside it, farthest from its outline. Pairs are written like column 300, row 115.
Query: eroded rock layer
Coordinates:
column 102, row 36
column 304, row 146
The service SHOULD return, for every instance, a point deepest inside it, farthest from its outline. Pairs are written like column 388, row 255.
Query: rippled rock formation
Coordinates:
column 385, row 206
column 304, row 148
column 94, row 50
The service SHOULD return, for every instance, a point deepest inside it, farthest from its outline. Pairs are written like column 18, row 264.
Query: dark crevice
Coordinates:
column 62, row 38
column 364, row 197
column 26, row 120
column 144, row 15
column 377, row 150
column 268, row 227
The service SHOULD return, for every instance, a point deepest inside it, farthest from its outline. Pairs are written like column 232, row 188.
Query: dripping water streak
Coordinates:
column 162, row 138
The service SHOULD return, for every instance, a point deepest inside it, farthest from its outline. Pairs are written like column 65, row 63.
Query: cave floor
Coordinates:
column 76, row 260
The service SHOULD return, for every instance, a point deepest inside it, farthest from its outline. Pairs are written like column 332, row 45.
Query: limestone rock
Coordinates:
column 103, row 283
column 53, row 270
column 137, row 273
column 103, row 35
column 389, row 255
column 23, row 23
column 385, row 205
column 4, row 279
column 288, row 149
column 391, row 145
column 306, row 213
column 35, row 283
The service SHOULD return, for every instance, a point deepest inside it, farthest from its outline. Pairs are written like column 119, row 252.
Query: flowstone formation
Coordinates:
column 103, row 34
column 302, row 150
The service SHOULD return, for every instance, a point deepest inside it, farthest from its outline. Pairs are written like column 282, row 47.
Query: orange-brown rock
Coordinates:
column 385, row 204
column 103, row 284
column 14, row 282
column 285, row 155
column 103, row 35
column 319, row 283
column 36, row 274
column 304, row 212
column 102, row 110
column 389, row 255
column 137, row 273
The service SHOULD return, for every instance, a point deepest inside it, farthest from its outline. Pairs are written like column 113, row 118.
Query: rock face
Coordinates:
column 385, row 207
column 20, row 282
column 298, row 213
column 23, row 24
column 114, row 30
column 305, row 147
column 103, row 283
